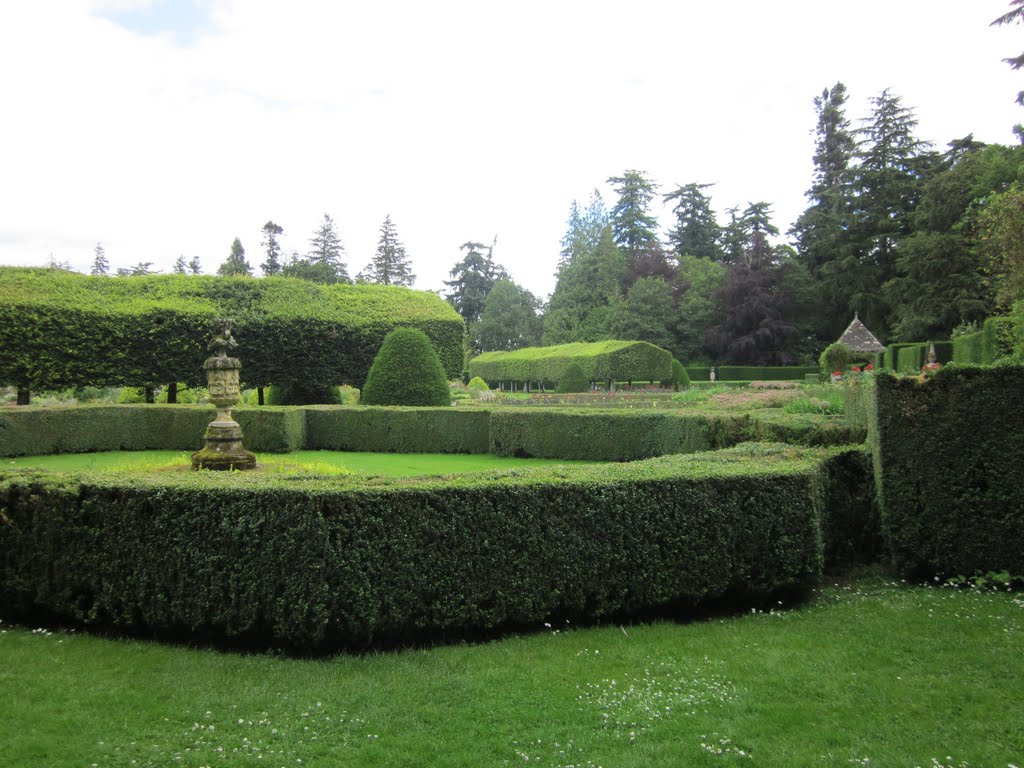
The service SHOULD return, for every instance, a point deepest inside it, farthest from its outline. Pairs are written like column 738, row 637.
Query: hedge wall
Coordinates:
column 397, row 430
column 60, row 329
column 994, row 340
column 600, row 361
column 317, row 563
column 910, row 357
column 751, row 372
column 947, row 457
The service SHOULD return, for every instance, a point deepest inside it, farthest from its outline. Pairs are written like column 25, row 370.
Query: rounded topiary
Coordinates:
column 573, row 379
column 406, row 371
column 835, row 358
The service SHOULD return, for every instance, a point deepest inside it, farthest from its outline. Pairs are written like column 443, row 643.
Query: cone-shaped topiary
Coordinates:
column 573, row 379
column 679, row 380
column 406, row 371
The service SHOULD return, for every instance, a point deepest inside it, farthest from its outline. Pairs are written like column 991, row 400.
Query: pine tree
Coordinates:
column 235, row 263
column 326, row 251
column 180, row 266
column 194, row 266
column 696, row 232
column 1014, row 16
column 100, row 265
column 635, row 228
column 472, row 280
column 272, row 264
column 390, row 265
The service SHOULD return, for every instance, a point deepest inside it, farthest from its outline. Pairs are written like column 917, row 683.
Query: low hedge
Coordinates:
column 947, row 457
column 313, row 563
column 397, row 430
column 751, row 372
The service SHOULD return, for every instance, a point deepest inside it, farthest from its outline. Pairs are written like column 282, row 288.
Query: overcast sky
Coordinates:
column 169, row 128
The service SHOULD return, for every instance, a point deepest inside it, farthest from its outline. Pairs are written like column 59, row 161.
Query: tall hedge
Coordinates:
column 314, row 563
column 947, row 456
column 60, row 329
column 751, row 372
column 600, row 361
column 993, row 341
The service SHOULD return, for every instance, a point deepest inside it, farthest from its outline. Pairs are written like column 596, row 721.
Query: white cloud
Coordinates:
column 463, row 120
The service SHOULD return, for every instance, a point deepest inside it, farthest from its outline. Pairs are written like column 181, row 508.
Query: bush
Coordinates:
column 302, row 394
column 573, row 380
column 679, row 380
column 477, row 387
column 947, row 455
column 335, row 562
column 835, row 357
column 406, row 371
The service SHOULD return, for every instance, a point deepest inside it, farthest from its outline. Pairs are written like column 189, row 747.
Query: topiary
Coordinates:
column 573, row 380
column 835, row 358
column 679, row 379
column 477, row 387
column 406, row 371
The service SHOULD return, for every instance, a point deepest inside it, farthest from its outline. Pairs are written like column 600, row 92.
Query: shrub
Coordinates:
column 406, row 371
column 302, row 394
column 679, row 380
column 477, row 387
column 835, row 357
column 573, row 380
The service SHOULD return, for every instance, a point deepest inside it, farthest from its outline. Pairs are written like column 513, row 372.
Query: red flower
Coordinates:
column 869, row 367
column 855, row 368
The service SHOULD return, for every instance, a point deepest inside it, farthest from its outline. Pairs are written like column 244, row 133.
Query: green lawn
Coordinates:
column 392, row 464
column 869, row 673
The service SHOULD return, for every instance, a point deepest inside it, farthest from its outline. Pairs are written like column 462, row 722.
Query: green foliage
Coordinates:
column 993, row 341
column 600, row 361
column 947, row 463
column 60, row 329
column 573, row 379
column 679, row 380
column 338, row 561
column 510, row 318
column 297, row 394
column 835, row 357
column 751, row 372
column 236, row 263
column 406, row 371
column 478, row 384
column 398, row 430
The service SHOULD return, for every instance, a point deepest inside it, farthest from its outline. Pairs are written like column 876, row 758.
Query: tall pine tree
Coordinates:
column 696, row 231
column 390, row 265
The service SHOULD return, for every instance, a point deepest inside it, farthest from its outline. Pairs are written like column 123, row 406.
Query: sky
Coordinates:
column 162, row 128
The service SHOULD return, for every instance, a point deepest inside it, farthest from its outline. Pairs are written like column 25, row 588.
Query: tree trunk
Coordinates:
column 172, row 392
column 24, row 396
column 259, row 395
column 150, row 395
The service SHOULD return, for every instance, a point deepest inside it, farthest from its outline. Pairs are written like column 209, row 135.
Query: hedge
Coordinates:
column 910, row 357
column 552, row 433
column 993, row 341
column 751, row 372
column 314, row 563
column 60, row 329
column 600, row 361
column 947, row 457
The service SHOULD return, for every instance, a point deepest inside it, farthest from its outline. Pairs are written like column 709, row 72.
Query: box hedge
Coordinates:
column 313, row 563
column 993, row 341
column 947, row 459
column 751, row 372
column 61, row 329
column 397, row 429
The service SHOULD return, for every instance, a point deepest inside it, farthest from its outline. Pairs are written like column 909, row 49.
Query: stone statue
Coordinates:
column 223, row 448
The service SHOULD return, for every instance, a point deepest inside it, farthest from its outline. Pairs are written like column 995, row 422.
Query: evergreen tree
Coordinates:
column 472, row 280
column 696, row 232
column 235, row 263
column 194, row 266
column 635, row 228
column 584, row 230
column 511, row 318
column 646, row 314
column 390, row 265
column 100, row 265
column 1014, row 16
column 180, row 266
column 272, row 264
column 699, row 307
column 325, row 255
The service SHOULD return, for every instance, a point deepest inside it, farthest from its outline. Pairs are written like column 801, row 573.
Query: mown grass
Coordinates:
column 323, row 462
column 871, row 672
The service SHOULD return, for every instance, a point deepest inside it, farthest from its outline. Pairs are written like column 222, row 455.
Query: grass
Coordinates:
column 870, row 672
column 323, row 462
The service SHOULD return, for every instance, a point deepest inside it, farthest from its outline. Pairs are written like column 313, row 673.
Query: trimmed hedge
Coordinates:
column 993, row 341
column 751, row 372
column 600, row 361
column 910, row 357
column 61, row 329
column 947, row 456
column 397, row 430
column 406, row 371
column 314, row 563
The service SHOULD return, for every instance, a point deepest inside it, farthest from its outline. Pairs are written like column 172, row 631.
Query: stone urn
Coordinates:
column 223, row 447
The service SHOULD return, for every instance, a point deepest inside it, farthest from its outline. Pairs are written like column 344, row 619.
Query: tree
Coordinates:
column 588, row 287
column 1014, row 16
column 472, row 280
column 510, row 318
column 272, row 265
column 326, row 251
column 646, row 313
column 390, row 265
column 180, row 266
column 235, row 263
column 1002, row 237
column 100, row 265
column 635, row 229
column 139, row 270
column 584, row 230
column 696, row 232
column 699, row 307
column 194, row 266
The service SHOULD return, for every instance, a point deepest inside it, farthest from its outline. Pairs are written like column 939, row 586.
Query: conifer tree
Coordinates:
column 696, row 231
column 272, row 264
column 390, row 265
column 100, row 265
column 235, row 263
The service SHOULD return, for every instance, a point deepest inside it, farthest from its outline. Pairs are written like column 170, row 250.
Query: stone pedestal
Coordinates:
column 223, row 448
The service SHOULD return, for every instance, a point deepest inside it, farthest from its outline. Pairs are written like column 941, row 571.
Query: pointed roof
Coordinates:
column 858, row 338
